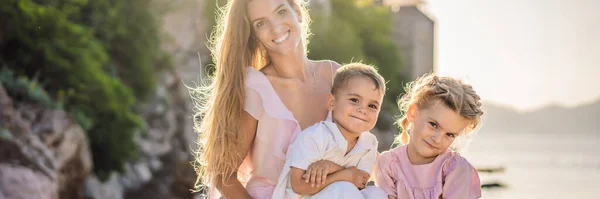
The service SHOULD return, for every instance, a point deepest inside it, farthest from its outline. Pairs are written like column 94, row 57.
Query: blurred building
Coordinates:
column 320, row 6
column 414, row 34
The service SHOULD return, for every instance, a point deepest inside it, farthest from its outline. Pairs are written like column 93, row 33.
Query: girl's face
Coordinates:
column 434, row 129
column 276, row 25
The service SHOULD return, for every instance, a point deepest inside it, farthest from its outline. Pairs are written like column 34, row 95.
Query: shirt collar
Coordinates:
column 363, row 143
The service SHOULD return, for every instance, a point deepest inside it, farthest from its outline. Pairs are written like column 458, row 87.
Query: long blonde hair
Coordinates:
column 218, row 108
column 455, row 94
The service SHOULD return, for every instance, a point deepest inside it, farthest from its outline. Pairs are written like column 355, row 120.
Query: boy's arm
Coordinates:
column 301, row 187
column 367, row 161
column 307, row 152
column 318, row 171
column 308, row 148
column 333, row 167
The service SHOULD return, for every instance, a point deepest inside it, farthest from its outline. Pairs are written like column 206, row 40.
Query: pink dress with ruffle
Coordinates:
column 276, row 130
column 449, row 176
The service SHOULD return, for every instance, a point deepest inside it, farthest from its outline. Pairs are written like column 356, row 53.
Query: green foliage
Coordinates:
column 96, row 57
column 27, row 89
column 128, row 30
column 5, row 134
column 356, row 30
column 342, row 45
column 211, row 8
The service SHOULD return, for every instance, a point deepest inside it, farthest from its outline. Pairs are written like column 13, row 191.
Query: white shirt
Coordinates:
column 324, row 141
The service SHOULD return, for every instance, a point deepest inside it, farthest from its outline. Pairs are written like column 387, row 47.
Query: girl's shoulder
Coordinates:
column 456, row 162
column 460, row 178
column 393, row 155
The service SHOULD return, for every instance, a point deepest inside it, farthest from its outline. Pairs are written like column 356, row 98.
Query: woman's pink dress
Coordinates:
column 276, row 130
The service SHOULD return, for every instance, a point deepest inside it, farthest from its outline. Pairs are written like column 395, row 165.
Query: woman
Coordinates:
column 265, row 91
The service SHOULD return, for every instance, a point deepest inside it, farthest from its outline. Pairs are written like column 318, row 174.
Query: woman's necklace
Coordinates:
column 314, row 77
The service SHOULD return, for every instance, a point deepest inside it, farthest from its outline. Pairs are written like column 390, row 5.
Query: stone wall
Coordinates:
column 413, row 33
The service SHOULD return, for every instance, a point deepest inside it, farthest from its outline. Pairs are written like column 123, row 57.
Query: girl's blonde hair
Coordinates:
column 455, row 94
column 219, row 106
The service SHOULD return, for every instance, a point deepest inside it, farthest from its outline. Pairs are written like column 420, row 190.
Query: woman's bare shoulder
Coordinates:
column 326, row 64
column 326, row 68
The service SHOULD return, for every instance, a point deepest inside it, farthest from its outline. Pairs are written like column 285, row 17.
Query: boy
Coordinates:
column 334, row 158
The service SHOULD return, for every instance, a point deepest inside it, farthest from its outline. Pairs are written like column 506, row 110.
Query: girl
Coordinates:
column 436, row 110
column 264, row 92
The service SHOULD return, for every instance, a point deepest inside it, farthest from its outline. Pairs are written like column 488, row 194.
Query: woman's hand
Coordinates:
column 232, row 187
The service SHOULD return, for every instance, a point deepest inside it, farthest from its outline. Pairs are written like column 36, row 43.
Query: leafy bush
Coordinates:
column 26, row 89
column 97, row 57
column 359, row 31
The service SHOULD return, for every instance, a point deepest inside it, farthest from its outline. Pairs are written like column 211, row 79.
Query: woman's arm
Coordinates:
column 232, row 188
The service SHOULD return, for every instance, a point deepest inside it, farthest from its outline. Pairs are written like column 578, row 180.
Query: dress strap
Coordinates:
column 329, row 114
column 332, row 73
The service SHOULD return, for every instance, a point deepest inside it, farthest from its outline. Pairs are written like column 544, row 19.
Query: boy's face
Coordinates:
column 356, row 105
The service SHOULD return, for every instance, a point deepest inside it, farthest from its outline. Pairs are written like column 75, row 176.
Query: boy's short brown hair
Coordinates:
column 349, row 71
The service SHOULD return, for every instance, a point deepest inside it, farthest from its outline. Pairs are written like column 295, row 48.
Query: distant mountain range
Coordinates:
column 551, row 119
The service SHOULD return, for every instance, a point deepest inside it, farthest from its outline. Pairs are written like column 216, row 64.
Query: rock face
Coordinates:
column 43, row 152
column 19, row 182
column 164, row 170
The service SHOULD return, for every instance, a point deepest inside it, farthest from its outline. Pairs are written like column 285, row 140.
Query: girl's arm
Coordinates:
column 384, row 175
column 232, row 188
column 461, row 180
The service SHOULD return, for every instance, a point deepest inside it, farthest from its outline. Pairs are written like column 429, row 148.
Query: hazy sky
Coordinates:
column 523, row 53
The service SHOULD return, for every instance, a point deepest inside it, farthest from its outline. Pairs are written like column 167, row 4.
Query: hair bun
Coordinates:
column 435, row 80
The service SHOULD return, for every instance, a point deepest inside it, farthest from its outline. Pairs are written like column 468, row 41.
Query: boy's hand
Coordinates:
column 358, row 177
column 365, row 177
column 316, row 174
